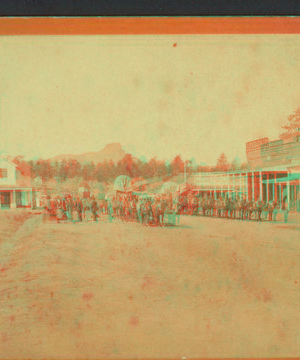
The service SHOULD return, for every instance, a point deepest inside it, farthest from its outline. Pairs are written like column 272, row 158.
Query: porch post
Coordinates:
column 275, row 188
column 260, row 187
column 235, row 185
column 252, row 186
column 247, row 184
column 13, row 199
column 288, row 192
column 280, row 195
column 31, row 199
column 228, row 183
column 267, row 187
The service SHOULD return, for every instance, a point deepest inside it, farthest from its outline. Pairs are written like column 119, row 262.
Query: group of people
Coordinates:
column 75, row 208
column 232, row 207
column 160, row 210
column 156, row 211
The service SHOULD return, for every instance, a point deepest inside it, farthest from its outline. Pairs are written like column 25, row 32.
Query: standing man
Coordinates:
column 74, row 209
column 285, row 210
column 259, row 206
column 162, row 212
column 94, row 208
column 79, row 209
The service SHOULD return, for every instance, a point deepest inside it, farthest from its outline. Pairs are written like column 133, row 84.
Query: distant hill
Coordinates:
column 113, row 152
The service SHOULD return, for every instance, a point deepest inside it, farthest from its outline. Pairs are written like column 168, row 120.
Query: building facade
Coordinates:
column 274, row 175
column 16, row 190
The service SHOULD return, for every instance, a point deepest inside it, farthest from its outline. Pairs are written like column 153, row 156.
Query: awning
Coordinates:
column 290, row 177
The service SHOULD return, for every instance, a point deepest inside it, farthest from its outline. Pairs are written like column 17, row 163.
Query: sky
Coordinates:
column 197, row 95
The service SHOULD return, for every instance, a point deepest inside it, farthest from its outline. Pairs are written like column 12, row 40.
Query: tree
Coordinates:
column 236, row 164
column 192, row 166
column 74, row 168
column 55, row 166
column 63, row 170
column 112, row 170
column 151, row 168
column 222, row 163
column 292, row 127
column 162, row 170
column 33, row 172
column 245, row 166
column 177, row 165
column 88, row 171
column 203, row 167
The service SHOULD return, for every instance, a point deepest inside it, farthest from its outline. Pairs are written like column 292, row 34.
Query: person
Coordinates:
column 59, row 209
column 210, row 206
column 69, row 207
column 172, row 214
column 146, row 214
column 218, row 206
column 110, row 211
column 163, row 208
column 270, row 209
column 250, row 209
column 227, row 207
column 73, row 207
column 231, row 207
column 177, row 214
column 94, row 208
column 138, row 209
column 259, row 206
column 204, row 205
column 48, row 205
column 243, row 208
column 79, row 209
column 275, row 211
column 155, row 212
column 285, row 210
column 143, row 212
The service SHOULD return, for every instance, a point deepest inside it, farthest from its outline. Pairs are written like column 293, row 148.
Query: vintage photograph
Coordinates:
column 149, row 196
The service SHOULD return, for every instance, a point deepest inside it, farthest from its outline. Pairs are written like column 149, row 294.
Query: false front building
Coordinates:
column 274, row 174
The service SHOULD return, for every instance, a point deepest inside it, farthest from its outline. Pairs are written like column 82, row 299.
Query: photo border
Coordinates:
column 216, row 25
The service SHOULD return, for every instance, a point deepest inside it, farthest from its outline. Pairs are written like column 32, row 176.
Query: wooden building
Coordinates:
column 16, row 190
column 274, row 174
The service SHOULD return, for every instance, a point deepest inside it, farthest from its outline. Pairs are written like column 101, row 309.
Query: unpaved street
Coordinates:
column 209, row 288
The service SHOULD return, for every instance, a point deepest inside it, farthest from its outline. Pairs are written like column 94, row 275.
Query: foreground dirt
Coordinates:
column 209, row 288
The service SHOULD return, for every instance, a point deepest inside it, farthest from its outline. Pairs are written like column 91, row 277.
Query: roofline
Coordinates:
column 8, row 160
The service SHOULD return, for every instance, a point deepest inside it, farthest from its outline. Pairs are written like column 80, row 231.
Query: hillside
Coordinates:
column 112, row 151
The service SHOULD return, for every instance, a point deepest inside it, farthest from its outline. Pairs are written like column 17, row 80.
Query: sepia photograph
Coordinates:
column 149, row 195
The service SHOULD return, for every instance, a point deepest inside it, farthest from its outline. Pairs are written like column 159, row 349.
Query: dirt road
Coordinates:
column 209, row 288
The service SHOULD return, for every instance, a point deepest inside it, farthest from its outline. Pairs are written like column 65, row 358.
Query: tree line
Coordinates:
column 107, row 171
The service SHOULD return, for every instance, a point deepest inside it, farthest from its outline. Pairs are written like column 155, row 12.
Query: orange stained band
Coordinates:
column 148, row 25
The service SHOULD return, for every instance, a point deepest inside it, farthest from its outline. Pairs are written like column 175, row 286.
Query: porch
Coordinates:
column 11, row 198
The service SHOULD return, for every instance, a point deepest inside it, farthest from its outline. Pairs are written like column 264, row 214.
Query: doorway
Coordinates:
column 5, row 199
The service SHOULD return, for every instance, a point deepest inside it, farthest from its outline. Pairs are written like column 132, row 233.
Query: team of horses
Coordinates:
column 233, row 209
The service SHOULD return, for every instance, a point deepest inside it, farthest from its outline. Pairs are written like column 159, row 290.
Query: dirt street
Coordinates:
column 208, row 288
